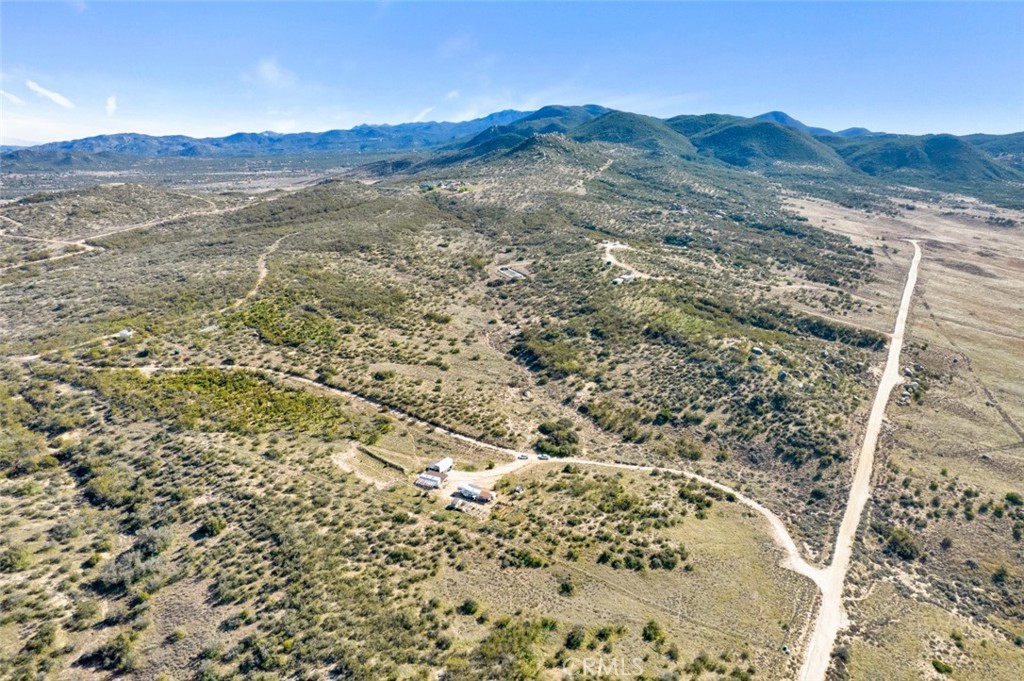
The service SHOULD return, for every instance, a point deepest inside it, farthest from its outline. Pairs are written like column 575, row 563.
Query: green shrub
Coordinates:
column 559, row 438
column 14, row 559
column 212, row 526
column 653, row 632
column 575, row 638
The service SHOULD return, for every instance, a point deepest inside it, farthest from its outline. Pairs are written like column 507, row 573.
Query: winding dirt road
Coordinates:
column 831, row 615
column 794, row 561
column 609, row 257
column 261, row 273
column 83, row 242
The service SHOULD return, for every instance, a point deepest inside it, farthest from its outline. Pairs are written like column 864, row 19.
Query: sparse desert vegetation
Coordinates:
column 214, row 401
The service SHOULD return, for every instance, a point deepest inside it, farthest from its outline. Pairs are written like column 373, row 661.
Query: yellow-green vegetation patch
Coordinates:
column 217, row 399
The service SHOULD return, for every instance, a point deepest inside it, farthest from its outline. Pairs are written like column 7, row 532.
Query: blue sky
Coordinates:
column 72, row 69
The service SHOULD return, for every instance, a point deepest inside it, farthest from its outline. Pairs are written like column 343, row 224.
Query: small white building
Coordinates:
column 428, row 481
column 442, row 466
column 510, row 272
column 474, row 493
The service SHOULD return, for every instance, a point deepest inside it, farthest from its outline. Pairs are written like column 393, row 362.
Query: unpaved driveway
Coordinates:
column 831, row 616
column 609, row 257
column 261, row 273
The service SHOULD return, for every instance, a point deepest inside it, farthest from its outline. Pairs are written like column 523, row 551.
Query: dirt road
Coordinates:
column 831, row 615
column 82, row 243
column 609, row 257
column 261, row 273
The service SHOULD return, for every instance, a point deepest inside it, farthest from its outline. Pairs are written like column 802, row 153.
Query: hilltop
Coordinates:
column 757, row 143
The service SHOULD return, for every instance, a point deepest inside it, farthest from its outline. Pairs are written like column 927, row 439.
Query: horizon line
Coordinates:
column 25, row 144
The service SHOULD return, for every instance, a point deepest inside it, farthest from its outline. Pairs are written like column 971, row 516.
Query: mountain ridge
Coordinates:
column 361, row 138
column 773, row 143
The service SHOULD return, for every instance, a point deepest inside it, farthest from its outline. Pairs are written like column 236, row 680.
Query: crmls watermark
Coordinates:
column 603, row 665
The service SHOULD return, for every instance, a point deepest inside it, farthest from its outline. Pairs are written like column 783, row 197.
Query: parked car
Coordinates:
column 523, row 456
column 543, row 457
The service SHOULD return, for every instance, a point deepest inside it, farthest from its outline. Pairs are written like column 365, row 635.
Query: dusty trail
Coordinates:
column 794, row 561
column 79, row 245
column 581, row 184
column 609, row 257
column 831, row 615
column 261, row 273
column 84, row 244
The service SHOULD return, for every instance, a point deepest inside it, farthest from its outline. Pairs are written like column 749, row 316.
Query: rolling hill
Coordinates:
column 548, row 119
column 651, row 134
column 940, row 157
column 690, row 125
column 1005, row 148
column 785, row 119
column 759, row 144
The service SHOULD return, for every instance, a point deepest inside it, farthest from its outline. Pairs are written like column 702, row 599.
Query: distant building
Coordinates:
column 442, row 466
column 510, row 272
column 624, row 279
column 474, row 493
column 428, row 481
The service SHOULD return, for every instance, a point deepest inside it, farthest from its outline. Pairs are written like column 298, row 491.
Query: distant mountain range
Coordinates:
column 773, row 141
column 360, row 139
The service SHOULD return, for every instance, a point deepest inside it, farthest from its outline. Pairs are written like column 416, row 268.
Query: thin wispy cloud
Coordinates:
column 111, row 107
column 13, row 99
column 269, row 72
column 422, row 115
column 78, row 5
column 454, row 94
column 54, row 97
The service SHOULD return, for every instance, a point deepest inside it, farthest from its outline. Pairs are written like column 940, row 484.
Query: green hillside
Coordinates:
column 652, row 134
column 548, row 119
column 559, row 118
column 748, row 143
column 690, row 125
column 938, row 157
column 1007, row 149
